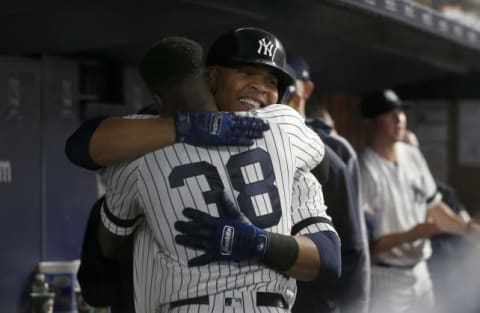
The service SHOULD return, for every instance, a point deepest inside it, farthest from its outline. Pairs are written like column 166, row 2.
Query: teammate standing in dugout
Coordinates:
column 351, row 293
column 244, row 68
column 403, row 209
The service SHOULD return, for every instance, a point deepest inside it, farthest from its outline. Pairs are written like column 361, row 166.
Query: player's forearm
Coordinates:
column 107, row 141
column 387, row 242
column 310, row 257
column 473, row 232
column 119, row 139
column 447, row 220
column 307, row 265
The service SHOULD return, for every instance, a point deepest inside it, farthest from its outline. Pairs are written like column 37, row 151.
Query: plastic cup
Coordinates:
column 62, row 277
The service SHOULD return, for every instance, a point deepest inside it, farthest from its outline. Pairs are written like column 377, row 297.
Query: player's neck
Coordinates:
column 385, row 149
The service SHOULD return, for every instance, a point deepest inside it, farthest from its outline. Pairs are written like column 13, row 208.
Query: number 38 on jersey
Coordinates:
column 251, row 175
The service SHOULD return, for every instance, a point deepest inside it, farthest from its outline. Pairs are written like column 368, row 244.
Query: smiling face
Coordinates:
column 243, row 87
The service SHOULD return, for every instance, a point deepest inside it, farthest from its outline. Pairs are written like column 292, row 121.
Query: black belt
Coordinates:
column 405, row 267
column 263, row 299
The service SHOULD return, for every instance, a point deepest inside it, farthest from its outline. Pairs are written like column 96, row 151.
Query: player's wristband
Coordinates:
column 281, row 253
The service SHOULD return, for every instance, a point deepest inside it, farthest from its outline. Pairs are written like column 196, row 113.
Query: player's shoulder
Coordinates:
column 305, row 178
column 409, row 155
column 344, row 143
column 279, row 113
column 404, row 147
column 365, row 154
column 334, row 159
column 120, row 174
column 368, row 161
column 407, row 151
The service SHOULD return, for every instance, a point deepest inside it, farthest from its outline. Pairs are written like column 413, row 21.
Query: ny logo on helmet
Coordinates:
column 266, row 48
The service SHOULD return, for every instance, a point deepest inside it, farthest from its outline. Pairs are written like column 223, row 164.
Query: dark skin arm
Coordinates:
column 307, row 266
column 118, row 139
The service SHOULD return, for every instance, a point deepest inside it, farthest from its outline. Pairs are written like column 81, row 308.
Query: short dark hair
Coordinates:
column 170, row 61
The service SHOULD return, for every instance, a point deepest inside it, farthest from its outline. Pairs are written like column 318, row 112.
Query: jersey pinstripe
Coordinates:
column 265, row 180
column 402, row 193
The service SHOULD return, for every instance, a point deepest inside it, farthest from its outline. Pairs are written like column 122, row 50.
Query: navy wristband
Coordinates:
column 281, row 253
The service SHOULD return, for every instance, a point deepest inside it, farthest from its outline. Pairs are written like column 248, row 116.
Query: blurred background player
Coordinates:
column 341, row 191
column 404, row 209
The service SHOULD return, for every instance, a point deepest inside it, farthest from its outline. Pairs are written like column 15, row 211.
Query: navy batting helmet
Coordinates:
column 250, row 45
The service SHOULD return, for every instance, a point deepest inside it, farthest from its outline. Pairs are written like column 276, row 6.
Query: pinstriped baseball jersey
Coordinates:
column 264, row 180
column 402, row 192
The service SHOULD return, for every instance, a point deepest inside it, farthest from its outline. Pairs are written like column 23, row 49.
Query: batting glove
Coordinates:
column 217, row 128
column 222, row 238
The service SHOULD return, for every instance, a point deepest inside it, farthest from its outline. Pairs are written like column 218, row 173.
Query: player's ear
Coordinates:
column 308, row 88
column 211, row 74
column 295, row 102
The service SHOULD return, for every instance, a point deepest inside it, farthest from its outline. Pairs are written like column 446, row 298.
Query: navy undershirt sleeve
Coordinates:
column 328, row 245
column 77, row 145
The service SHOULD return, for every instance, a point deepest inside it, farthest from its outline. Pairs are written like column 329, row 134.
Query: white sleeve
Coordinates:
column 308, row 206
column 121, row 211
column 307, row 145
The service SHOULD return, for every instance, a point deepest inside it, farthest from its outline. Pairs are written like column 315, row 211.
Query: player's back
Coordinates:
column 258, row 179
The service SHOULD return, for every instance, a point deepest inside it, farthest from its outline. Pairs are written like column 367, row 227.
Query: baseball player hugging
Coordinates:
column 223, row 228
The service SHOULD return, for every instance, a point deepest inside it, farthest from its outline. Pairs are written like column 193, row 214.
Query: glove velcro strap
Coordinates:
column 281, row 253
column 215, row 124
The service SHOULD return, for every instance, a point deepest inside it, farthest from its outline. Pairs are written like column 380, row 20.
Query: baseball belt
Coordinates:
column 263, row 299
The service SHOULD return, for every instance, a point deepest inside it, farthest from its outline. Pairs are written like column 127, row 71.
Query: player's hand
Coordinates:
column 222, row 238
column 217, row 128
column 447, row 220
